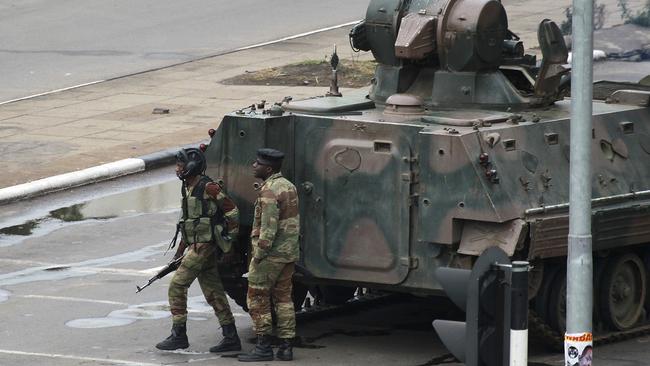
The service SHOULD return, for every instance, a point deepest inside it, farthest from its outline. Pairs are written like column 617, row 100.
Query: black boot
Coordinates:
column 261, row 352
column 285, row 351
column 230, row 341
column 178, row 339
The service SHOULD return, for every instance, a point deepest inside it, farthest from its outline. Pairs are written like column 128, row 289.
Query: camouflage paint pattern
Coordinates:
column 384, row 198
column 276, row 224
column 200, row 262
column 271, row 280
column 388, row 197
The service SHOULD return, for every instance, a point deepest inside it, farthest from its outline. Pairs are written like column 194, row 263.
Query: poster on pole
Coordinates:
column 578, row 349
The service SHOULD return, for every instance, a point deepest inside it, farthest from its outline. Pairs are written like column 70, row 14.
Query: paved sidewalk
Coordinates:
column 101, row 123
column 113, row 120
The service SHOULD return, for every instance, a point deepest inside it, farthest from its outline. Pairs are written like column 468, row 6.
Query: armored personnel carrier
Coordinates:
column 461, row 143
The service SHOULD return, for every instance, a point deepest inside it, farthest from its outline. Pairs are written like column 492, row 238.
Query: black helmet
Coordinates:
column 193, row 162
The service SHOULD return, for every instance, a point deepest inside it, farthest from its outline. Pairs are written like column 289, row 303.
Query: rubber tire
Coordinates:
column 298, row 295
column 237, row 292
column 542, row 300
column 604, row 295
column 336, row 295
column 556, row 316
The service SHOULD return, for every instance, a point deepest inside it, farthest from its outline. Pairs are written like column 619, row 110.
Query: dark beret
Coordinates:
column 268, row 156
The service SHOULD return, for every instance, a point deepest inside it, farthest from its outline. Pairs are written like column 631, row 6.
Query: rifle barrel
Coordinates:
column 170, row 267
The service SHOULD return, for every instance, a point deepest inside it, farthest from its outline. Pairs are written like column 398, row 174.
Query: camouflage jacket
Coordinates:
column 195, row 227
column 276, row 224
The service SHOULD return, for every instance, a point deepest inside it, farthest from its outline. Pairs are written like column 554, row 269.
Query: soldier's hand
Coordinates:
column 180, row 250
column 179, row 253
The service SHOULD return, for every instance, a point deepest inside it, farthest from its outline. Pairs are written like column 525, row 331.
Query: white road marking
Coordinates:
column 52, row 92
column 77, row 299
column 297, row 36
column 200, row 58
column 79, row 358
column 59, row 270
column 203, row 359
column 186, row 352
column 119, row 271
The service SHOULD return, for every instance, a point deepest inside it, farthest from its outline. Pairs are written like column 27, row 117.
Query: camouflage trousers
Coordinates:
column 266, row 280
column 200, row 262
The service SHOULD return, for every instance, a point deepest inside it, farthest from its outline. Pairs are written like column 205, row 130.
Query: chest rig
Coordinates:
column 202, row 220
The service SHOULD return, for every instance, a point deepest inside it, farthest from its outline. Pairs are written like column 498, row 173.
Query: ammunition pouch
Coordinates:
column 202, row 220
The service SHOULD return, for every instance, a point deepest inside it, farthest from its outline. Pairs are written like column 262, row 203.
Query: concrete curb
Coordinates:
column 125, row 166
column 91, row 175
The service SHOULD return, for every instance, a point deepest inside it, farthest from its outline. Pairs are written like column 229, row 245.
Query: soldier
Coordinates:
column 274, row 240
column 208, row 226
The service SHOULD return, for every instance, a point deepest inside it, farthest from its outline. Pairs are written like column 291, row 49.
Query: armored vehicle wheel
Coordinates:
column 235, row 286
column 535, row 279
column 336, row 295
column 298, row 295
column 646, row 263
column 622, row 293
column 237, row 290
column 557, row 303
column 543, row 297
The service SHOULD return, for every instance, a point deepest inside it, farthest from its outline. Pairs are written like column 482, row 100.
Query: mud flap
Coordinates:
column 478, row 236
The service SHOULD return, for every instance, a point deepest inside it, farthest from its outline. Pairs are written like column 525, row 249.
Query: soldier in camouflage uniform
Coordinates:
column 274, row 240
column 208, row 226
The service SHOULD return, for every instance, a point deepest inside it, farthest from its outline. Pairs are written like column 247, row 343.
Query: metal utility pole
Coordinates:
column 580, row 260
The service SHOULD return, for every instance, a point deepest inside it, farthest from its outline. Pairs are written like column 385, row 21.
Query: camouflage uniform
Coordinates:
column 274, row 239
column 200, row 262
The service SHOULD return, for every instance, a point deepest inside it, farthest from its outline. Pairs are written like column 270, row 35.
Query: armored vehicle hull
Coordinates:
column 398, row 182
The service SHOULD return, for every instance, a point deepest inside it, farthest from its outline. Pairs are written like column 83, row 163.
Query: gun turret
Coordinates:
column 457, row 53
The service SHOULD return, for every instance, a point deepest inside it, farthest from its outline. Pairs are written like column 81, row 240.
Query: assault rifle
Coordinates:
column 171, row 267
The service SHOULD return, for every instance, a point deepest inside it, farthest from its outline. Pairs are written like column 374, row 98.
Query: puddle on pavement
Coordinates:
column 156, row 198
column 59, row 268
column 186, row 352
column 98, row 322
column 78, row 269
column 146, row 311
column 4, row 295
column 138, row 314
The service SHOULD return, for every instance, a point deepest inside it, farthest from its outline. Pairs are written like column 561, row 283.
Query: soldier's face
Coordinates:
column 261, row 171
column 179, row 169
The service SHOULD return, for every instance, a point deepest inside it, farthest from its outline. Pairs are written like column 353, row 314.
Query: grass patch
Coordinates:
column 351, row 74
column 641, row 17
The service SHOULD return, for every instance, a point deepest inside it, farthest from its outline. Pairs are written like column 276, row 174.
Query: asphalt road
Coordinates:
column 49, row 45
column 67, row 293
column 67, row 290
